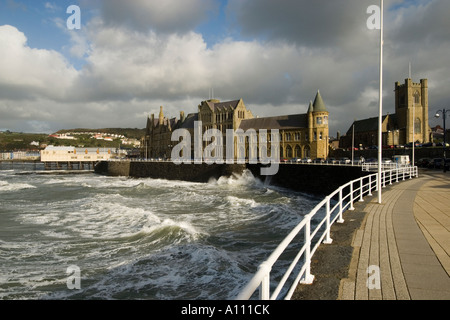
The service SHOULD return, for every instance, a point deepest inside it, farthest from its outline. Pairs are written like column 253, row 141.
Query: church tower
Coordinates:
column 411, row 108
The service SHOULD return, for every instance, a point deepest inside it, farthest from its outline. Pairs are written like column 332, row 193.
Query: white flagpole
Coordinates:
column 380, row 115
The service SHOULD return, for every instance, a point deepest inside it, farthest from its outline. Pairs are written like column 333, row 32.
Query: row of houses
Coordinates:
column 20, row 155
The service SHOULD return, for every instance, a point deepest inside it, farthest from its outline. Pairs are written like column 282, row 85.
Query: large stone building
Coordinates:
column 301, row 135
column 408, row 124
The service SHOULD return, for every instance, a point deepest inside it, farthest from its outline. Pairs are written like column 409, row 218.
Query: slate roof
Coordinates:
column 188, row 122
column 319, row 105
column 370, row 124
column 295, row 121
column 223, row 105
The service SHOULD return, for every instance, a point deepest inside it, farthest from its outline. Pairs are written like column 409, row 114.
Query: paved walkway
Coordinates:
column 402, row 250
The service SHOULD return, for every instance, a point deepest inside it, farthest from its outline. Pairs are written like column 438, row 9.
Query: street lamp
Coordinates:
column 444, row 115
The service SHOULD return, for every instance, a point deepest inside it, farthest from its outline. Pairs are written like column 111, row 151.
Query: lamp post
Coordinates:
column 380, row 111
column 444, row 115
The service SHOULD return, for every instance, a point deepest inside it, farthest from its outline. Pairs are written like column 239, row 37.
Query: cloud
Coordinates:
column 52, row 7
column 29, row 72
column 140, row 55
column 166, row 16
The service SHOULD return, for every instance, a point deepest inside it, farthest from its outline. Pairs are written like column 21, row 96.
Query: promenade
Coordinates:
column 402, row 250
column 396, row 250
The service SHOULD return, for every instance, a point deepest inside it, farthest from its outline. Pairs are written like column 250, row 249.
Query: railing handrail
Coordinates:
column 261, row 279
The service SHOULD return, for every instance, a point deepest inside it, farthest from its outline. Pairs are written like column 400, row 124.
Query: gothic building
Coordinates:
column 408, row 124
column 301, row 135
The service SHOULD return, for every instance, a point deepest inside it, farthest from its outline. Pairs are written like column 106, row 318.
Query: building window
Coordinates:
column 417, row 126
column 325, row 120
column 319, row 120
column 416, row 98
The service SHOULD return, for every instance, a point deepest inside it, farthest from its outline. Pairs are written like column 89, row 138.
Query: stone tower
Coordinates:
column 318, row 128
column 411, row 108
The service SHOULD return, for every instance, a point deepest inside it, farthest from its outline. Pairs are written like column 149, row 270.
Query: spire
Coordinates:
column 310, row 108
column 319, row 105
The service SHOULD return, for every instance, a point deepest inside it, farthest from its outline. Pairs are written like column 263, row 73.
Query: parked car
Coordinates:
column 331, row 160
column 416, row 145
column 423, row 162
column 345, row 160
column 441, row 144
column 307, row 160
column 436, row 163
column 429, row 144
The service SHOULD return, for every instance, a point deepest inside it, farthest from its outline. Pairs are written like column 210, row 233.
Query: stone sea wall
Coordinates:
column 314, row 179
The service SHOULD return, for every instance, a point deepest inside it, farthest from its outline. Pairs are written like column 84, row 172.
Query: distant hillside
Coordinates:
column 131, row 133
column 11, row 141
column 15, row 141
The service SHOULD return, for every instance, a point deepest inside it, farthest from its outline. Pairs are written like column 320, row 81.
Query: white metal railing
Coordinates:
column 354, row 191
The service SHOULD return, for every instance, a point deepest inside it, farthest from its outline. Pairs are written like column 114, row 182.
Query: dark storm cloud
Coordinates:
column 165, row 16
column 320, row 23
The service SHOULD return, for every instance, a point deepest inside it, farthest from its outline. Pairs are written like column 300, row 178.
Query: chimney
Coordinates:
column 161, row 116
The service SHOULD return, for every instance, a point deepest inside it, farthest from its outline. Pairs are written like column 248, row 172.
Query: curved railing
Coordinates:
column 334, row 205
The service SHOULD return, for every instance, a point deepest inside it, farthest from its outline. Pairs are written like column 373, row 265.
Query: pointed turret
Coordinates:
column 319, row 105
column 310, row 108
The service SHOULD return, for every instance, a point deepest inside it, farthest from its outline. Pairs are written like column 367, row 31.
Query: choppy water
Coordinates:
column 137, row 238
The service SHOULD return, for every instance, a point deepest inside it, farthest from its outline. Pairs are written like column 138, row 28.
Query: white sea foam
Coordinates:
column 239, row 202
column 141, row 238
column 6, row 186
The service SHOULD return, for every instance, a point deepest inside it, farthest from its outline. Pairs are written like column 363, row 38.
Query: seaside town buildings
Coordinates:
column 301, row 135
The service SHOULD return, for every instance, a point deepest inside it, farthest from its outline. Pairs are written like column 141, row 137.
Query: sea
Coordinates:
column 79, row 235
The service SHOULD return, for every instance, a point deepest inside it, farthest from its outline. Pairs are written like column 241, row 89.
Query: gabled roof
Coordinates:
column 188, row 123
column 370, row 124
column 217, row 106
column 281, row 122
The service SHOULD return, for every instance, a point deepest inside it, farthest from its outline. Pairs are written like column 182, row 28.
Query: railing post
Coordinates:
column 370, row 185
column 403, row 169
column 308, row 278
column 361, row 190
column 264, row 288
column 396, row 175
column 340, row 220
column 390, row 177
column 383, row 178
column 351, row 197
column 328, row 240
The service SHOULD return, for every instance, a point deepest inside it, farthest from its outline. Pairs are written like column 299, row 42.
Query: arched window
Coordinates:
column 298, row 151
column 289, row 152
column 417, row 126
column 416, row 97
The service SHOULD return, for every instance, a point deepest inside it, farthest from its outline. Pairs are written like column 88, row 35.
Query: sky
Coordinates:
column 130, row 57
